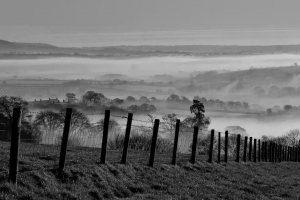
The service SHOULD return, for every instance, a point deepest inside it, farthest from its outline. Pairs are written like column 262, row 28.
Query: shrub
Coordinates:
column 140, row 139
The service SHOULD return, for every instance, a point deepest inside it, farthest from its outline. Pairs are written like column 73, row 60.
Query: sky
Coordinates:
column 150, row 22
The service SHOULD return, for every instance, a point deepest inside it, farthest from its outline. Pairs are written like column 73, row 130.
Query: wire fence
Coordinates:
column 192, row 145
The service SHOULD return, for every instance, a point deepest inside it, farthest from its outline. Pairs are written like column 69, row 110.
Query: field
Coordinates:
column 85, row 178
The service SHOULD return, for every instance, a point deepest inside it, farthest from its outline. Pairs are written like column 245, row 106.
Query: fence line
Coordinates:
column 258, row 151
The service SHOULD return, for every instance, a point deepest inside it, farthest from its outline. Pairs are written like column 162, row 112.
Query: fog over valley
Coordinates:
column 238, row 78
column 137, row 68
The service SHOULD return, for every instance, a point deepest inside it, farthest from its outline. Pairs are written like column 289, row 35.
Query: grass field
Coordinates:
column 85, row 178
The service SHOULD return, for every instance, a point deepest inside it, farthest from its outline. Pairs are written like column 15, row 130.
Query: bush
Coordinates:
column 140, row 139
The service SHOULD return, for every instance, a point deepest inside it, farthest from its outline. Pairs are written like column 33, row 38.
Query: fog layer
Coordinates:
column 82, row 68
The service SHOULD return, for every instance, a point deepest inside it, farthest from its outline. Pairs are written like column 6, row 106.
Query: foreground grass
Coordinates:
column 86, row 179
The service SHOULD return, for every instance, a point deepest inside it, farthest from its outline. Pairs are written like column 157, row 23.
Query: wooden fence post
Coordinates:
column 284, row 155
column 219, row 148
column 280, row 153
column 245, row 149
column 259, row 152
column 254, row 152
column 270, row 151
column 194, row 145
column 104, row 137
column 273, row 152
column 293, row 154
column 226, row 147
column 262, row 151
column 14, row 147
column 175, row 142
column 264, row 155
column 64, row 142
column 250, row 149
column 276, row 153
column 211, row 147
column 153, row 144
column 126, row 139
column 238, row 145
column 298, row 159
column 288, row 154
column 296, row 154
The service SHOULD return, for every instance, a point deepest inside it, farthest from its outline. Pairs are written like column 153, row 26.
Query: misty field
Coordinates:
column 85, row 178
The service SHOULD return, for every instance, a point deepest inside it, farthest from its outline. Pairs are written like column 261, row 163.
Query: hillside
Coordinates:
column 85, row 178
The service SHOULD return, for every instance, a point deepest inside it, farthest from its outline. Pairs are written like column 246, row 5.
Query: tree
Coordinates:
column 80, row 123
column 169, row 123
column 8, row 103
column 153, row 99
column 188, row 122
column 144, row 99
column 71, row 97
column 151, row 120
column 292, row 137
column 112, row 124
column 91, row 98
column 130, row 99
column 200, row 120
column 287, row 107
column 133, row 108
column 274, row 91
column 117, row 101
column 49, row 122
column 258, row 91
column 269, row 111
column 173, row 98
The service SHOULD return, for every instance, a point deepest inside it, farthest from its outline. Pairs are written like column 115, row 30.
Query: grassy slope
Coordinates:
column 85, row 179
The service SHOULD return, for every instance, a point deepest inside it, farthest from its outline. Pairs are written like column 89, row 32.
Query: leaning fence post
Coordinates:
column 238, row 145
column 175, row 142
column 245, row 149
column 126, row 139
column 250, row 149
column 219, row 148
column 194, row 145
column 254, row 151
column 259, row 151
column 226, row 147
column 14, row 148
column 104, row 137
column 64, row 142
column 212, row 135
column 153, row 144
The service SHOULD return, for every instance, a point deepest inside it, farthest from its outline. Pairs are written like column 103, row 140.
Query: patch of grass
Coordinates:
column 85, row 178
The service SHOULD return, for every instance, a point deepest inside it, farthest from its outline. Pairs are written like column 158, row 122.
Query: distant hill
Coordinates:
column 40, row 49
column 215, row 48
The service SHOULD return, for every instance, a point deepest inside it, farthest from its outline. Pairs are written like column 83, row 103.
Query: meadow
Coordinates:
column 85, row 178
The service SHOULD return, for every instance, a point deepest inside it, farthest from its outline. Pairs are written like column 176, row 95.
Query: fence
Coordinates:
column 185, row 144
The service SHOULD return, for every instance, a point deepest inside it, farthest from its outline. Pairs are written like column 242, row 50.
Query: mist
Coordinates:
column 136, row 68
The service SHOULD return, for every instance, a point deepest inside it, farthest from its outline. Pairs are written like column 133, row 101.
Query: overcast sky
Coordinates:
column 113, row 22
